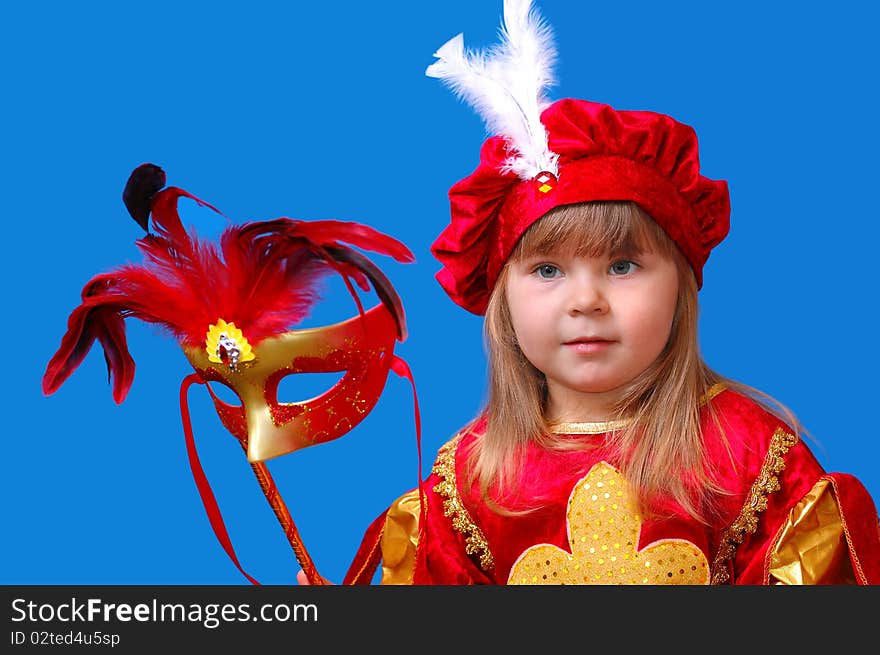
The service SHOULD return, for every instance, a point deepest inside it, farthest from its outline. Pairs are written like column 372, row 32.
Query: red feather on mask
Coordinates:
column 263, row 278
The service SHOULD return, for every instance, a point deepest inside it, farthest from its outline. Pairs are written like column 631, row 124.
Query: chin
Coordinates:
column 592, row 386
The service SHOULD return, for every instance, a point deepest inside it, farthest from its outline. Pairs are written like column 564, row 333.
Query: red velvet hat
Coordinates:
column 548, row 155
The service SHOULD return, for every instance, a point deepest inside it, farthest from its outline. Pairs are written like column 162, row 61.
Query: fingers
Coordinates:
column 303, row 579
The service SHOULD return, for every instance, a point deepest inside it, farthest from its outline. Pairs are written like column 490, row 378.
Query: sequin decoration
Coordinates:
column 603, row 534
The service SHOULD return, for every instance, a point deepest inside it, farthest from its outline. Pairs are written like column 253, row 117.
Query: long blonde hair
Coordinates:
column 661, row 448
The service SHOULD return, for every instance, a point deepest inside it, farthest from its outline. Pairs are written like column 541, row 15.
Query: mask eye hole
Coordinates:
column 299, row 387
column 224, row 393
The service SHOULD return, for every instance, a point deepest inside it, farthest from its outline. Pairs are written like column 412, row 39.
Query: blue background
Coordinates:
column 322, row 110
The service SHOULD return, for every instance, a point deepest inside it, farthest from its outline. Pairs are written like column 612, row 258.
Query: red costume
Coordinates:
column 784, row 521
column 574, row 517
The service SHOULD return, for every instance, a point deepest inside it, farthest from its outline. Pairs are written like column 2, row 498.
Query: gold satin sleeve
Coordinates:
column 811, row 547
column 399, row 540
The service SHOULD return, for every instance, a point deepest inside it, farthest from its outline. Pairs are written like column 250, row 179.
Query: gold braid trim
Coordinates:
column 747, row 522
column 475, row 542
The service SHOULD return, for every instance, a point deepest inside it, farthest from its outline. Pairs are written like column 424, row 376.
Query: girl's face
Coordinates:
column 591, row 324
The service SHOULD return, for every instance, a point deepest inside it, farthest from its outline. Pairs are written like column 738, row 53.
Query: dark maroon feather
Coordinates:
column 143, row 183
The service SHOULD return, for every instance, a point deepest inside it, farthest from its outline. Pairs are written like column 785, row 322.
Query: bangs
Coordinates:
column 594, row 229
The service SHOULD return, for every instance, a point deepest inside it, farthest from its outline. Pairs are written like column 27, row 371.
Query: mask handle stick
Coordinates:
column 270, row 490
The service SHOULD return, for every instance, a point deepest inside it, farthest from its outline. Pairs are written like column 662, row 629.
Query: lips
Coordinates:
column 588, row 345
column 579, row 340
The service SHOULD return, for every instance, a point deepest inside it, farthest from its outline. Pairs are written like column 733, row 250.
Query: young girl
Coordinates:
column 608, row 451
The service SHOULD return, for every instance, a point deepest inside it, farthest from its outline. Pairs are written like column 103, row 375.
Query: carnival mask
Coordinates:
column 233, row 307
column 362, row 347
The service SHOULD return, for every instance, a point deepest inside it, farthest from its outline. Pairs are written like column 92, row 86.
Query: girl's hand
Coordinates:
column 302, row 578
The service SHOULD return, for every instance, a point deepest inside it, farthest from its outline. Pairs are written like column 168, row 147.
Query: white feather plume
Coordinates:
column 506, row 84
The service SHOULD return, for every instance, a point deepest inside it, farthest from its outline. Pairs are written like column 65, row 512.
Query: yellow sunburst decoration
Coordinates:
column 225, row 344
column 603, row 536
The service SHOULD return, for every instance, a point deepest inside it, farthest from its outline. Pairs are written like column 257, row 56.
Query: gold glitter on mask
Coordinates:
column 603, row 534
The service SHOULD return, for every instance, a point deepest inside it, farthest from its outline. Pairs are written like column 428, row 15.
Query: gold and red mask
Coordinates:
column 362, row 347
column 233, row 306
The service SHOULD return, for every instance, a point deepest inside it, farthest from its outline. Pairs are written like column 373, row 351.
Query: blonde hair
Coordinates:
column 661, row 447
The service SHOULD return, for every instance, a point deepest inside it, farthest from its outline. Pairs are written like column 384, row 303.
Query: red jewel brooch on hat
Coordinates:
column 545, row 181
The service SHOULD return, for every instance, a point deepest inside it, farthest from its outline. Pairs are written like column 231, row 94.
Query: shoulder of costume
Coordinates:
column 760, row 459
column 775, row 476
column 739, row 412
column 748, row 443
column 465, row 435
column 748, row 427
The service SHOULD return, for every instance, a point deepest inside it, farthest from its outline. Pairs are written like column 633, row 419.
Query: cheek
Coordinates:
column 652, row 316
column 529, row 326
column 526, row 328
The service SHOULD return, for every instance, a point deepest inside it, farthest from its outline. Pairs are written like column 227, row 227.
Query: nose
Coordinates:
column 587, row 295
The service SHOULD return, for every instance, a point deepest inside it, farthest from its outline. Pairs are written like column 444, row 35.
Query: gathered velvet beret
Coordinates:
column 603, row 154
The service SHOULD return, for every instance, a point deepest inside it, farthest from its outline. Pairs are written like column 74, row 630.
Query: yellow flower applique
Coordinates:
column 225, row 344
column 603, row 534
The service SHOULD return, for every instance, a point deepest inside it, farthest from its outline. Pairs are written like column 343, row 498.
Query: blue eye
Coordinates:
column 622, row 267
column 547, row 271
